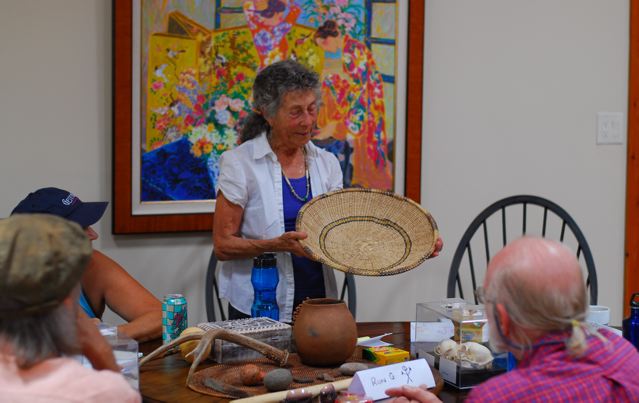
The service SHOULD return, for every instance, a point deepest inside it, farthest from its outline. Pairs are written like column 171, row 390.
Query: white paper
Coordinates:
column 374, row 341
column 431, row 331
column 374, row 382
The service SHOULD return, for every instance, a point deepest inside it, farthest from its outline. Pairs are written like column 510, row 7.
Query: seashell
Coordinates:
column 186, row 348
column 448, row 349
column 474, row 355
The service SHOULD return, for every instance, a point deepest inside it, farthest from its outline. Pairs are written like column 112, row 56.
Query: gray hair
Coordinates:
column 540, row 308
column 33, row 339
column 269, row 88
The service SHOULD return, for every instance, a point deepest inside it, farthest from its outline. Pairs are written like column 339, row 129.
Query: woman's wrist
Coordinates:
column 268, row 245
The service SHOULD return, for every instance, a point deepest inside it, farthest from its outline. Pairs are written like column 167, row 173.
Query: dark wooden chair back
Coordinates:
column 504, row 221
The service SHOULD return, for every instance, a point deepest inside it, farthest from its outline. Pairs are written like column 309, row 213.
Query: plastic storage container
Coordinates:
column 267, row 330
column 125, row 350
column 461, row 352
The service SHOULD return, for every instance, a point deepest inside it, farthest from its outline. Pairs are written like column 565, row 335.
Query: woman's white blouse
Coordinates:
column 251, row 177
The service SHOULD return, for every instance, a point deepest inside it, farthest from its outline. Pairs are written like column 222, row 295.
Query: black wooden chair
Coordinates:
column 504, row 221
column 212, row 293
column 213, row 300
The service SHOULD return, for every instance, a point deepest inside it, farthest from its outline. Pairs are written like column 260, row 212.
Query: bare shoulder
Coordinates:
column 103, row 270
column 101, row 258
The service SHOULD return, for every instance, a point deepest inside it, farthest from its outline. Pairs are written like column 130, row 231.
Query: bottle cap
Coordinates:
column 634, row 301
column 265, row 260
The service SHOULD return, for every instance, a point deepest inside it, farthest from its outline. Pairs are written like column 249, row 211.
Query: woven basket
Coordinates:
column 367, row 232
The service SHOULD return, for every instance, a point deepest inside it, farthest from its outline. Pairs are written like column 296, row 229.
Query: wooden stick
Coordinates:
column 279, row 396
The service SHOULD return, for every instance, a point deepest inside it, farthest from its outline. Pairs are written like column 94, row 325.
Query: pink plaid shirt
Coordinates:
column 606, row 372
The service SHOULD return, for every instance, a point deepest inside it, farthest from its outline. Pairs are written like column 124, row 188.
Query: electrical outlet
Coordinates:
column 610, row 128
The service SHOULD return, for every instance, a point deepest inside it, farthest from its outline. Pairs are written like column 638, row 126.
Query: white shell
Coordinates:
column 447, row 348
column 474, row 355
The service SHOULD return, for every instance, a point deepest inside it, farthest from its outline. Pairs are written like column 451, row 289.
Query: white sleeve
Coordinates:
column 232, row 180
column 335, row 176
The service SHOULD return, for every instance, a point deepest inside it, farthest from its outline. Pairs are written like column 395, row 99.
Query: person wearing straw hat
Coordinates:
column 262, row 185
column 42, row 259
column 536, row 304
column 105, row 282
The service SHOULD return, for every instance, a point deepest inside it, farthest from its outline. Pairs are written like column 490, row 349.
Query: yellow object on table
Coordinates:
column 385, row 355
column 186, row 348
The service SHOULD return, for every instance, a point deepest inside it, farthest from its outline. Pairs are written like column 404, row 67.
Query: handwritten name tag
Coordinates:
column 373, row 382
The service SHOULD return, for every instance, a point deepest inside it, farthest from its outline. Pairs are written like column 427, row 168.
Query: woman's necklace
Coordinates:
column 308, row 184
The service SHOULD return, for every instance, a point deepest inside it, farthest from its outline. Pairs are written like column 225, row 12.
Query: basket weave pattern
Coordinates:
column 367, row 232
column 230, row 374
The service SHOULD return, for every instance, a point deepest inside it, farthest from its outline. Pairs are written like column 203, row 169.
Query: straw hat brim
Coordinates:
column 367, row 232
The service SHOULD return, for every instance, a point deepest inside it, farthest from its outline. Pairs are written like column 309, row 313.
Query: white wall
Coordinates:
column 512, row 88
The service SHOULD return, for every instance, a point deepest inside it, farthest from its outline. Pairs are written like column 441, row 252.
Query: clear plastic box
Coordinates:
column 462, row 356
column 267, row 330
column 125, row 350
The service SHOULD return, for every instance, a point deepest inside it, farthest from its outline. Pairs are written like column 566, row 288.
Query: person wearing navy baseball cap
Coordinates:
column 63, row 204
column 105, row 282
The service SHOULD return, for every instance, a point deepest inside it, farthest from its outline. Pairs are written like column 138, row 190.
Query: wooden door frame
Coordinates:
column 631, row 265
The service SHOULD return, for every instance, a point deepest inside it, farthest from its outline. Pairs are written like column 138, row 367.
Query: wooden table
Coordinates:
column 164, row 380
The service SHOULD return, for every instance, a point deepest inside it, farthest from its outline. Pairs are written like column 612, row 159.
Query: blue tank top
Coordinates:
column 308, row 274
column 84, row 303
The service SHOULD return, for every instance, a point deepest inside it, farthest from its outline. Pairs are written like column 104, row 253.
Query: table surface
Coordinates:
column 164, row 380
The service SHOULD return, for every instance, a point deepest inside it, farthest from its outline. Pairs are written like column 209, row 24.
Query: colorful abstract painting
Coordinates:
column 198, row 61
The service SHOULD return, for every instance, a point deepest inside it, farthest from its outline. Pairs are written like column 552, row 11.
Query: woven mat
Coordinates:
column 230, row 374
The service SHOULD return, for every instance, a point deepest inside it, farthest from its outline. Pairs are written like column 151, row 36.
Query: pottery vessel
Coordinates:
column 325, row 332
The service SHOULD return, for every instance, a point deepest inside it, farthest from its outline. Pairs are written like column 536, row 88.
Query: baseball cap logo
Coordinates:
column 69, row 199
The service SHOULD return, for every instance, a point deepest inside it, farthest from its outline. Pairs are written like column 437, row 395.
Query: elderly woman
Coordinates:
column 262, row 185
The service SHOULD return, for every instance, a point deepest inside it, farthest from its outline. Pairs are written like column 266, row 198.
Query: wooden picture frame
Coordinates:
column 124, row 222
column 631, row 276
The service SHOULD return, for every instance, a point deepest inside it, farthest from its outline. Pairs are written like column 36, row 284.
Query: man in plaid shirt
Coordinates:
column 536, row 303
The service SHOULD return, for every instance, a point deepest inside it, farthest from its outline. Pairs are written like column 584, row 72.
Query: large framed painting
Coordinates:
column 183, row 72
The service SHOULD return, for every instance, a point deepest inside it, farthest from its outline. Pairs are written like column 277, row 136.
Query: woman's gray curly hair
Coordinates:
column 269, row 88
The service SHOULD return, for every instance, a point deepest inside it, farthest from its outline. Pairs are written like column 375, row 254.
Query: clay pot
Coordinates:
column 325, row 332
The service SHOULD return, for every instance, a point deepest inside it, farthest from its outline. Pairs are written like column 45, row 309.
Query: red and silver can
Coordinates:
column 174, row 317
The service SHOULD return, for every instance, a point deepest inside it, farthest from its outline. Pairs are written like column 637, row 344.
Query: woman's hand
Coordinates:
column 406, row 394
column 290, row 242
column 439, row 244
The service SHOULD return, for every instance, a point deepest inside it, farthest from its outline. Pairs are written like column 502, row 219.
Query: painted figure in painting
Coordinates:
column 270, row 21
column 353, row 109
column 199, row 65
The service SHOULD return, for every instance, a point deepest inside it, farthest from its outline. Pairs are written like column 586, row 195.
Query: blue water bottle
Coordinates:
column 631, row 323
column 264, row 278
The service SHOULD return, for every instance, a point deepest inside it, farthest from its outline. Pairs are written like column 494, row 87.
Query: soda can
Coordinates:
column 174, row 317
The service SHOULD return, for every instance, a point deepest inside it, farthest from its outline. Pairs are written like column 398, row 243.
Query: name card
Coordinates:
column 373, row 382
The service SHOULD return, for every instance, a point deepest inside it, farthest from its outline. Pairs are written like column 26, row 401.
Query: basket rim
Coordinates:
column 350, row 270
